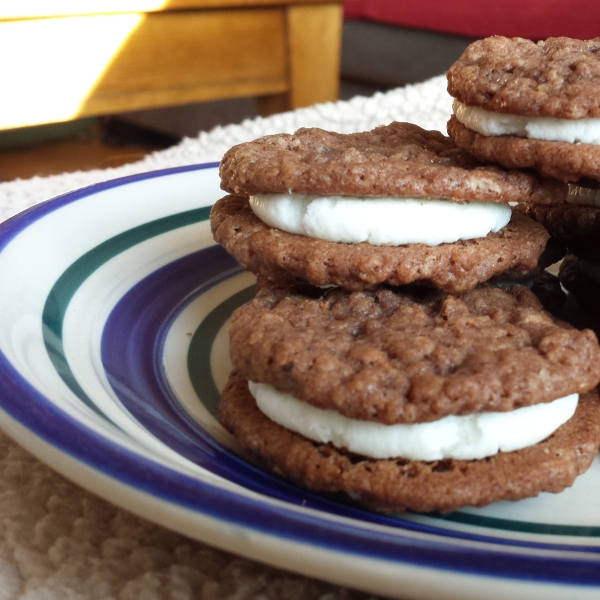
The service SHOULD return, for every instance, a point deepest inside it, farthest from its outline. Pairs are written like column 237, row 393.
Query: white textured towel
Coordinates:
column 59, row 542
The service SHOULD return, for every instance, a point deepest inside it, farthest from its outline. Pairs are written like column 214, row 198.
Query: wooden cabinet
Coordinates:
column 67, row 59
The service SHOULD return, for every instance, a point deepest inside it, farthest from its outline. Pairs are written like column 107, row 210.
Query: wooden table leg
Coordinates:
column 313, row 42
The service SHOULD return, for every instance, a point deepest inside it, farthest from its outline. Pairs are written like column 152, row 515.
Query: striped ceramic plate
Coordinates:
column 113, row 349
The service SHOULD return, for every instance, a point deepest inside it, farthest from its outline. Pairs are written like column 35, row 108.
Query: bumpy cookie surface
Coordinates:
column 411, row 355
column 562, row 160
column 281, row 256
column 399, row 484
column 399, row 159
column 558, row 77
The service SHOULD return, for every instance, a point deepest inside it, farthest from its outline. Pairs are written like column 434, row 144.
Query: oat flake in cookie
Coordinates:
column 525, row 104
column 395, row 205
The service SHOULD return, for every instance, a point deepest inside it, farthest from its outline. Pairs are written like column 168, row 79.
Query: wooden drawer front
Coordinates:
column 61, row 68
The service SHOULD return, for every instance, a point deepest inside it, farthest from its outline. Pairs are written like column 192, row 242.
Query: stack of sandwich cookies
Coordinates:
column 394, row 206
column 397, row 380
column 413, row 399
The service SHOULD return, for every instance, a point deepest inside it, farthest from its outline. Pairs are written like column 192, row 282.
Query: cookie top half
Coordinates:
column 557, row 77
column 396, row 160
column 411, row 355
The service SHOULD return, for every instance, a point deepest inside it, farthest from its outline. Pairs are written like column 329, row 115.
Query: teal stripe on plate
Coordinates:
column 198, row 359
column 521, row 526
column 74, row 276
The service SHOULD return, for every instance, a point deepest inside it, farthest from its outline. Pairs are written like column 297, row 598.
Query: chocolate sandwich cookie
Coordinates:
column 411, row 355
column 523, row 104
column 391, row 485
column 395, row 205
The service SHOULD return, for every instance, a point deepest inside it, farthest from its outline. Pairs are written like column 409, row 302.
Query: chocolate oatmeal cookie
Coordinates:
column 396, row 160
column 557, row 78
column 399, row 484
column 456, row 267
column 411, row 355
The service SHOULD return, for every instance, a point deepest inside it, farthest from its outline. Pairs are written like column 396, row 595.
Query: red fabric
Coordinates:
column 534, row 19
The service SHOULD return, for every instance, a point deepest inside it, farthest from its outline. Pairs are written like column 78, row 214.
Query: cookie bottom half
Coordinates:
column 397, row 484
column 562, row 160
column 457, row 267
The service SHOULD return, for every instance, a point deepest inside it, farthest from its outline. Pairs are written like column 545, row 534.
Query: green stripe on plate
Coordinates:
column 198, row 359
column 521, row 526
column 74, row 276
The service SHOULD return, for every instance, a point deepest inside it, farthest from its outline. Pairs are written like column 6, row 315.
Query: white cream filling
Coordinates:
column 380, row 221
column 467, row 437
column 490, row 123
column 583, row 196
